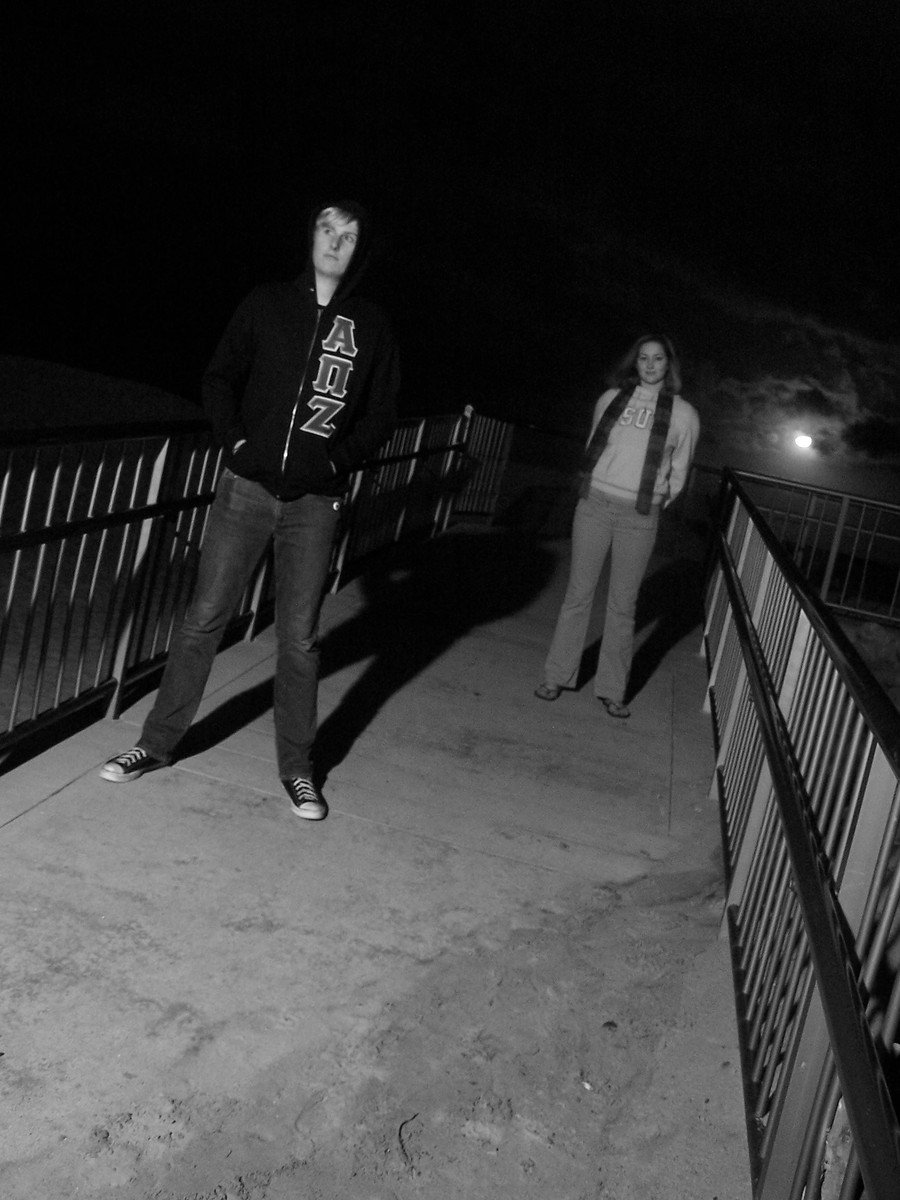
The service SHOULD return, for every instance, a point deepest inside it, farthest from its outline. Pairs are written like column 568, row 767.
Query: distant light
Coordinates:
column 803, row 441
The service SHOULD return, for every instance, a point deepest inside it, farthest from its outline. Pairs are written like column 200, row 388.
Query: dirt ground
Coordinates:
column 528, row 1063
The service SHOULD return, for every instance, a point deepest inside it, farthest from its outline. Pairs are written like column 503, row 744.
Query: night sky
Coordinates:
column 163, row 159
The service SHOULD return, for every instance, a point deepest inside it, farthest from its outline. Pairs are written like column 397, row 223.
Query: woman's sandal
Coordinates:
column 614, row 708
column 547, row 691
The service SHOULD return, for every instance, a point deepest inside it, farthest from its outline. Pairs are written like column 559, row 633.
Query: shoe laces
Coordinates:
column 130, row 757
column 304, row 792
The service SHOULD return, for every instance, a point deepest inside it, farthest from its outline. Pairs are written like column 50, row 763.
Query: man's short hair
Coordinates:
column 346, row 210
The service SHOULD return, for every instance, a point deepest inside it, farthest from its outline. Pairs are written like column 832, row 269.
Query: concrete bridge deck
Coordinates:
column 495, row 970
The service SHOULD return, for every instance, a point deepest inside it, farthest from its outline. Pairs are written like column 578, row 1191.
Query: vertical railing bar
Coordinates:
column 835, row 547
column 762, row 928
column 789, row 935
column 781, row 1017
column 816, row 753
column 99, row 476
column 30, row 491
column 185, row 524
column 842, row 800
column 26, row 647
column 773, row 914
column 868, row 552
column 754, row 893
column 181, row 549
column 851, row 558
column 99, row 560
column 4, row 488
column 49, row 617
column 123, row 646
column 67, row 609
column 124, row 552
column 808, row 743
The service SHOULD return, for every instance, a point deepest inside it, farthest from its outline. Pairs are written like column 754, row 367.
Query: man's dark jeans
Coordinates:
column 242, row 519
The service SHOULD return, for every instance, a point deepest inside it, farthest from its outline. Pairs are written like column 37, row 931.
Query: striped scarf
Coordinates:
column 655, row 444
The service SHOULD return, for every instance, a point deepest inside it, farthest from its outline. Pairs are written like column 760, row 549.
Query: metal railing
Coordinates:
column 846, row 547
column 808, row 781
column 100, row 532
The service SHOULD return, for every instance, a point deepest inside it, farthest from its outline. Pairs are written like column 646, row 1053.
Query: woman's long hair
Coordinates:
column 625, row 375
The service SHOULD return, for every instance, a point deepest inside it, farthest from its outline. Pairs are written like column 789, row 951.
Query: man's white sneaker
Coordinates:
column 130, row 765
column 306, row 799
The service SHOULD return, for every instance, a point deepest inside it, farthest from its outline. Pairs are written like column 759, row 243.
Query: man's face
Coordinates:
column 334, row 242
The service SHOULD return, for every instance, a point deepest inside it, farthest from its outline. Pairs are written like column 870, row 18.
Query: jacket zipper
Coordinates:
column 312, row 342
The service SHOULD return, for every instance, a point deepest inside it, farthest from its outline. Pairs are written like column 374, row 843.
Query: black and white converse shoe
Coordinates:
column 306, row 799
column 130, row 765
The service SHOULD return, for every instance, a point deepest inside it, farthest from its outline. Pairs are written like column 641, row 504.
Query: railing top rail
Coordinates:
column 42, row 436
column 811, row 489
column 135, row 430
column 868, row 693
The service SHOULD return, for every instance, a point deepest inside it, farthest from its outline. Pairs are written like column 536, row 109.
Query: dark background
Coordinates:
column 163, row 159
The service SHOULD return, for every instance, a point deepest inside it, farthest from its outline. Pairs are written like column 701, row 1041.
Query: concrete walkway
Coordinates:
column 184, row 958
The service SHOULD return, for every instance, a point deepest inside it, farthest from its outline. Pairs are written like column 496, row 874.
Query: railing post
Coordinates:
column 835, row 546
column 123, row 641
column 762, row 796
column 463, row 425
column 413, row 464
column 715, row 665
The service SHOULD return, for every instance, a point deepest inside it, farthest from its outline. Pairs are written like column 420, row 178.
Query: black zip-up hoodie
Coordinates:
column 310, row 391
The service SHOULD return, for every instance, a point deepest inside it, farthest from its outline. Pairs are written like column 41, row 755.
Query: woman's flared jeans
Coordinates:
column 602, row 525
column 244, row 516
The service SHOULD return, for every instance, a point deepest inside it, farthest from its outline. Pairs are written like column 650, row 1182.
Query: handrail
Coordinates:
column 131, row 430
column 145, row 512
column 808, row 780
column 793, row 485
column 865, row 1090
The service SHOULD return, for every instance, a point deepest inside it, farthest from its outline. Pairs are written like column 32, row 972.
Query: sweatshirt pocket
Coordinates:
column 243, row 461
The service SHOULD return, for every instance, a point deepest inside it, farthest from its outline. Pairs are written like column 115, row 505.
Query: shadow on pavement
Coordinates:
column 418, row 603
column 672, row 601
column 228, row 718
column 419, row 600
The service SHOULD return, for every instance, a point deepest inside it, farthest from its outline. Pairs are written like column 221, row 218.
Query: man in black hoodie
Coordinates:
column 300, row 391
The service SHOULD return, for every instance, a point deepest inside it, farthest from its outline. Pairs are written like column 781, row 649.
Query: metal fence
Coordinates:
column 808, row 764
column 100, row 532
column 846, row 547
